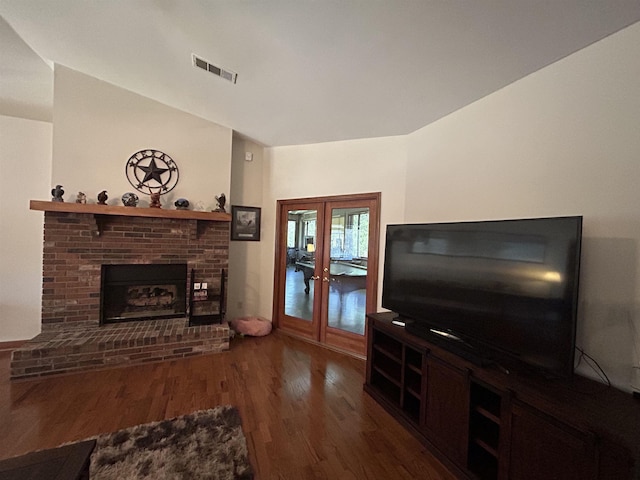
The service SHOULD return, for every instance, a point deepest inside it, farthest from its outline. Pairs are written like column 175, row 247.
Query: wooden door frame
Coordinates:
column 372, row 259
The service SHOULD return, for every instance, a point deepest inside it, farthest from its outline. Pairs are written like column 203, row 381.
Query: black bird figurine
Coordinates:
column 102, row 197
column 221, row 200
column 57, row 194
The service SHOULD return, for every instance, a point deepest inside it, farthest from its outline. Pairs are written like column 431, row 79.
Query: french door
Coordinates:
column 327, row 268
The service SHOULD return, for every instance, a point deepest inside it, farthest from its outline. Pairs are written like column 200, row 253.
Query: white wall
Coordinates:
column 245, row 258
column 98, row 126
column 563, row 141
column 25, row 174
column 334, row 168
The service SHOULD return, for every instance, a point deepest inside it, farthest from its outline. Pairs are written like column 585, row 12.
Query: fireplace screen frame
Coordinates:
column 146, row 277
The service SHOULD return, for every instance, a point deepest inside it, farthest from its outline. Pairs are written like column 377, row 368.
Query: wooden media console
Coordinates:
column 486, row 423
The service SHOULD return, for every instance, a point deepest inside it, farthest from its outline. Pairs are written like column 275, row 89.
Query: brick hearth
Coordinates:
column 64, row 351
column 76, row 245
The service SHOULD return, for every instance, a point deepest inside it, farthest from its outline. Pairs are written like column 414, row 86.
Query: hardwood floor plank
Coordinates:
column 303, row 409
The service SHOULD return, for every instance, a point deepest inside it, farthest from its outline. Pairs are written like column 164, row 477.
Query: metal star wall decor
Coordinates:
column 152, row 171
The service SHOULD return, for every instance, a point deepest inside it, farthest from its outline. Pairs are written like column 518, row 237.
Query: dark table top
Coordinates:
column 338, row 268
column 63, row 463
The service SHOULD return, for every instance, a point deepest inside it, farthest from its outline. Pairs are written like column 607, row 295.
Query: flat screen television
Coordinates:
column 503, row 291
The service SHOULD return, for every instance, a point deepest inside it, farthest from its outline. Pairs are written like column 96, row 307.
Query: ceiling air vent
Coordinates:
column 218, row 71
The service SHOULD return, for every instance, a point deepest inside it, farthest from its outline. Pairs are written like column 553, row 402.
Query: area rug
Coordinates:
column 208, row 444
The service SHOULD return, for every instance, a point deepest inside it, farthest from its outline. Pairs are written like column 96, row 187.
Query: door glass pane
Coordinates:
column 291, row 234
column 299, row 284
column 348, row 269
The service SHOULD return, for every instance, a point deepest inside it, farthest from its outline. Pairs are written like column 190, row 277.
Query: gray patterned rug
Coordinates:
column 203, row 445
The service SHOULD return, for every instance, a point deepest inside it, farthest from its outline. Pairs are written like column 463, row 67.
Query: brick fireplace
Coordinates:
column 80, row 242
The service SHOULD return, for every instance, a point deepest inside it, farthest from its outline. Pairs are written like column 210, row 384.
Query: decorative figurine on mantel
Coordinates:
column 221, row 200
column 155, row 200
column 81, row 198
column 102, row 197
column 130, row 199
column 57, row 194
column 182, row 204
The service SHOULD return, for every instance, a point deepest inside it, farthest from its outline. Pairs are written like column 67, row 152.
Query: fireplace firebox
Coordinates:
column 142, row 292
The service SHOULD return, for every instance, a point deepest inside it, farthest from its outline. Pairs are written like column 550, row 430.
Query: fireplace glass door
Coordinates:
column 143, row 292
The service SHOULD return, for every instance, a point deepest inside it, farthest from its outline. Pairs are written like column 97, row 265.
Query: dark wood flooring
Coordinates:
column 303, row 409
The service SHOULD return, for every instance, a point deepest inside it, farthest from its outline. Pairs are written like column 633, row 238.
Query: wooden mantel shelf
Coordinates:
column 95, row 209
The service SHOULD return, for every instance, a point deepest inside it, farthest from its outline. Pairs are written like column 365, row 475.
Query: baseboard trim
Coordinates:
column 320, row 344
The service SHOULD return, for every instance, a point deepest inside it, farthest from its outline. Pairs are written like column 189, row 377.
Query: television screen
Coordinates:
column 504, row 290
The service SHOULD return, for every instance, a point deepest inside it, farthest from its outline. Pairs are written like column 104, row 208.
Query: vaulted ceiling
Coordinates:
column 307, row 71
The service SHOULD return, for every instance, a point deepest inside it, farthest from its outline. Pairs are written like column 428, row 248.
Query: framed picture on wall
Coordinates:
column 245, row 223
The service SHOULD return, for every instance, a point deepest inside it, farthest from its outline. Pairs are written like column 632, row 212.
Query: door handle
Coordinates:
column 316, row 277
